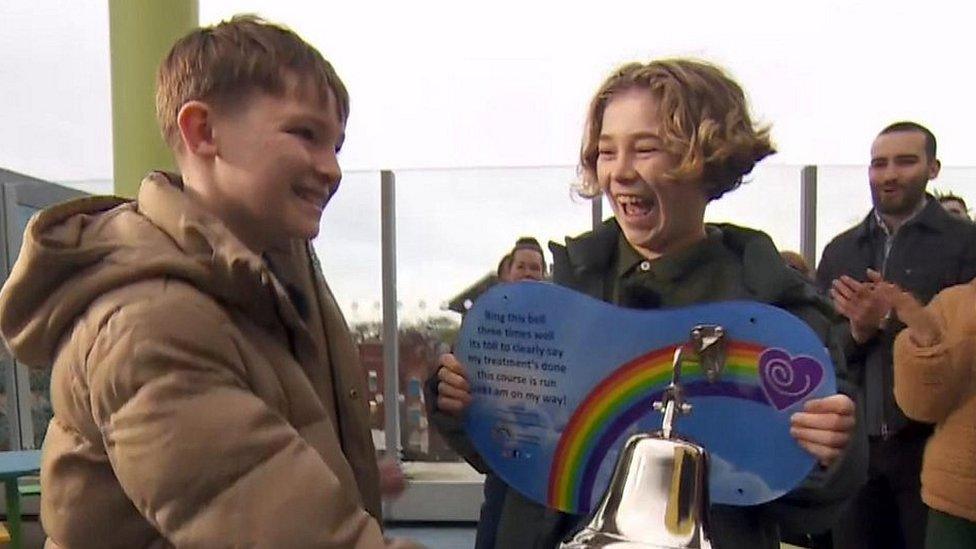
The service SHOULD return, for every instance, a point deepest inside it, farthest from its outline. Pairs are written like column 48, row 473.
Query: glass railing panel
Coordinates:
column 768, row 200
column 348, row 247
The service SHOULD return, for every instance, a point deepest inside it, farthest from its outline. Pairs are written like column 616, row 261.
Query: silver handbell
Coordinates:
column 658, row 495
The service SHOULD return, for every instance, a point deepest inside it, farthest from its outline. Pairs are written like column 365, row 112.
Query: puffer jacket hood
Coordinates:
column 77, row 251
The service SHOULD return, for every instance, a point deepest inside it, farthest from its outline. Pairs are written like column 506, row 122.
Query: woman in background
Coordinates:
column 525, row 261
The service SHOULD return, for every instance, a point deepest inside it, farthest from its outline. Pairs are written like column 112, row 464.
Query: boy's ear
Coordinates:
column 195, row 121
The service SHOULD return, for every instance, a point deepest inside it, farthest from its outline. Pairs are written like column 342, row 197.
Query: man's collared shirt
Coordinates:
column 889, row 240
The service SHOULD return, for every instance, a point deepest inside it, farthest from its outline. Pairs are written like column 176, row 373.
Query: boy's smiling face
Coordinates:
column 274, row 166
column 656, row 215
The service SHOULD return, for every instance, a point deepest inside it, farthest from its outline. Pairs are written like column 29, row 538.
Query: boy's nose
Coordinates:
column 327, row 166
column 623, row 168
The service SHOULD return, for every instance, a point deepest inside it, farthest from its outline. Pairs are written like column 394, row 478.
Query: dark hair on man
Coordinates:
column 906, row 126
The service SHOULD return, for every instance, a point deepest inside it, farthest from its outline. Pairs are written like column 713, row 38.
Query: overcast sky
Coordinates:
column 505, row 84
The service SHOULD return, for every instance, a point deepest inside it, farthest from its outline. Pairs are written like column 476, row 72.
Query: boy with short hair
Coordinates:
column 206, row 391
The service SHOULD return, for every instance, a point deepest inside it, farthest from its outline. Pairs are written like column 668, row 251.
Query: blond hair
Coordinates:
column 705, row 124
column 224, row 63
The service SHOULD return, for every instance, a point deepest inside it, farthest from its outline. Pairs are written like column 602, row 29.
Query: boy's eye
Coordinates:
column 304, row 133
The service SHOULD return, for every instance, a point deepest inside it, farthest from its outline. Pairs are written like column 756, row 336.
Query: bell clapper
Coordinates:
column 673, row 400
column 708, row 342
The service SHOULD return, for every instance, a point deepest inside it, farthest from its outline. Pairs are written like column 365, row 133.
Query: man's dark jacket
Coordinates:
column 930, row 252
column 586, row 264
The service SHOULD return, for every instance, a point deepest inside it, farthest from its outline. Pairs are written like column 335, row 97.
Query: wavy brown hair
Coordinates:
column 705, row 124
column 224, row 63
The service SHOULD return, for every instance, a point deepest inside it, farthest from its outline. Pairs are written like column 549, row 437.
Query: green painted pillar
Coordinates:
column 141, row 32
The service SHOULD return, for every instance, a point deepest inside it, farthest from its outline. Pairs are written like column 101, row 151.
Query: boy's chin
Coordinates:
column 308, row 233
column 284, row 240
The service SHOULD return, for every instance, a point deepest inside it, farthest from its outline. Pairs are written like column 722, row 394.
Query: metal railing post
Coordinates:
column 596, row 204
column 391, row 343
column 808, row 215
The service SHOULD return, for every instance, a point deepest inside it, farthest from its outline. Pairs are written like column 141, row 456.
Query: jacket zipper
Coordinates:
column 885, row 432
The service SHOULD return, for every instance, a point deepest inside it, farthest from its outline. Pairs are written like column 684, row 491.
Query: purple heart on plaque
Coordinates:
column 786, row 380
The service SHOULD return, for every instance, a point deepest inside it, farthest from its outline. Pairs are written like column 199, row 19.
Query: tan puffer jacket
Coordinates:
column 194, row 405
column 937, row 384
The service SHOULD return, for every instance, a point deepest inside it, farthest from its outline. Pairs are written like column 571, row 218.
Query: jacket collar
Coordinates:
column 766, row 276
column 592, row 251
column 583, row 262
column 234, row 273
column 932, row 217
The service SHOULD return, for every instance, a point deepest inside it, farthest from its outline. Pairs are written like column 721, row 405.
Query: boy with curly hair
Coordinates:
column 662, row 140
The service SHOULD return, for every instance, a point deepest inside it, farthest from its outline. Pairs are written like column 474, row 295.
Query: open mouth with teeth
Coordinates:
column 314, row 198
column 635, row 208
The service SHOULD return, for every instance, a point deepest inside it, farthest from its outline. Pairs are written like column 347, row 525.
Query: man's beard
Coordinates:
column 899, row 206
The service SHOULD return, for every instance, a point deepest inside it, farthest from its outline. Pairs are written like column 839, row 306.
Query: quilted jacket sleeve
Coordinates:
column 205, row 460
